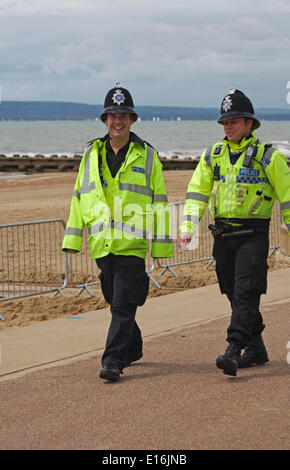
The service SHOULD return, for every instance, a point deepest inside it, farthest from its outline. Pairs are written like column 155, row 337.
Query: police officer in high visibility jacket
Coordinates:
column 240, row 178
column 120, row 196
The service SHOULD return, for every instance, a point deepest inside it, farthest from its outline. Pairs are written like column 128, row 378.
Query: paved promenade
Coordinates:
column 174, row 398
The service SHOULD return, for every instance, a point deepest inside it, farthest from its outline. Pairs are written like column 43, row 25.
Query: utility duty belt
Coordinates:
column 224, row 230
column 219, row 232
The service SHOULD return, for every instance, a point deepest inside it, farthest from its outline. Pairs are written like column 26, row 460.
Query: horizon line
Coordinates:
column 136, row 106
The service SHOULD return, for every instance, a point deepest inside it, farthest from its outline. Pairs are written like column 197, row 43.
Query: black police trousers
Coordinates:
column 241, row 267
column 125, row 285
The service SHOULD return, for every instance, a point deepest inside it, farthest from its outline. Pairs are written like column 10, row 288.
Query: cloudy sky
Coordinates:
column 166, row 52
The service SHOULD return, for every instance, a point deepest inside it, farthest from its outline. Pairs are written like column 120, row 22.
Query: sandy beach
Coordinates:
column 66, row 407
column 47, row 196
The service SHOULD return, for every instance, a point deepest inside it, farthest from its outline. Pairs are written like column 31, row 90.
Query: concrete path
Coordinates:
column 174, row 398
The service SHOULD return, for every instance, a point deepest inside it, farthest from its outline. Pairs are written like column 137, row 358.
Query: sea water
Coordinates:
column 184, row 139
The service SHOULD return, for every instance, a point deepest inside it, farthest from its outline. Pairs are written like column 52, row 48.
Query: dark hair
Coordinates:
column 250, row 119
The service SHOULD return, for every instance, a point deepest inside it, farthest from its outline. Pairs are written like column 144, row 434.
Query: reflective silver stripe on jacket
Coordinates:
column 197, row 197
column 207, row 157
column 97, row 228
column 86, row 179
column 217, row 150
column 149, row 164
column 135, row 188
column 160, row 198
column 74, row 231
column 86, row 185
column 191, row 218
column 137, row 232
column 285, row 205
column 76, row 194
column 266, row 159
column 162, row 239
column 118, row 226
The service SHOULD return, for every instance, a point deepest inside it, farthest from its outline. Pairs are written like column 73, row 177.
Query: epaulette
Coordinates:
column 214, row 150
column 265, row 157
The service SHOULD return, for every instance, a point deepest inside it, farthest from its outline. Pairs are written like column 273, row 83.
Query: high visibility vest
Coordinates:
column 123, row 213
column 238, row 191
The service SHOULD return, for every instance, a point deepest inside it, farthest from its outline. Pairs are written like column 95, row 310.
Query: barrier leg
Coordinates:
column 169, row 269
column 85, row 287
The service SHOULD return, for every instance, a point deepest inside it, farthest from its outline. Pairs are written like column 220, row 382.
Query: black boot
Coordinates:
column 228, row 362
column 255, row 354
column 110, row 373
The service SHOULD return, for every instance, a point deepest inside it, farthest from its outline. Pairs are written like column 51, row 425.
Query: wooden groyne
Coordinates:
column 54, row 163
column 40, row 163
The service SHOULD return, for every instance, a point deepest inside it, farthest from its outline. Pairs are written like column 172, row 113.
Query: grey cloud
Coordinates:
column 176, row 52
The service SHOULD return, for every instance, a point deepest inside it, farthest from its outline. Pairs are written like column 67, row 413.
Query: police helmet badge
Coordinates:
column 227, row 103
column 118, row 97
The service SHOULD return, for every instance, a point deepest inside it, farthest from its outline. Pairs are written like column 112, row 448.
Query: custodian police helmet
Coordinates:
column 118, row 100
column 237, row 104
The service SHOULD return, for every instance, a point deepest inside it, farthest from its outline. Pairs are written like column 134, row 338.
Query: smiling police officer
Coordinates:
column 120, row 196
column 240, row 178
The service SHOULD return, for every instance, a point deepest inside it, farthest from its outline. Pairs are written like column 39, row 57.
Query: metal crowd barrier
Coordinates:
column 203, row 250
column 83, row 272
column 31, row 260
column 275, row 224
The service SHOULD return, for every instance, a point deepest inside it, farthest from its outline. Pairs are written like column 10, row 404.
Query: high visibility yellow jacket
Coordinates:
column 235, row 191
column 124, row 212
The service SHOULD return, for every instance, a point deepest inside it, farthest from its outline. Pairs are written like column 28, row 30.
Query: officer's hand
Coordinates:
column 183, row 240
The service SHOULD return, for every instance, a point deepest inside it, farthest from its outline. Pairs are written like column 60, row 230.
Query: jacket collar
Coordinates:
column 243, row 144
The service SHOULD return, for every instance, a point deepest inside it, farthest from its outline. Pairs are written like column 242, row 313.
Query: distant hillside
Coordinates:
column 54, row 110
